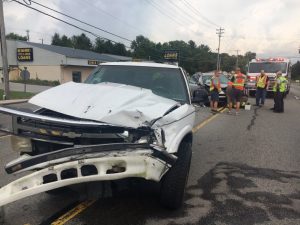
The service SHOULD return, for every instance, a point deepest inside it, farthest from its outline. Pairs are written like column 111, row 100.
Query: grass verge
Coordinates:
column 17, row 94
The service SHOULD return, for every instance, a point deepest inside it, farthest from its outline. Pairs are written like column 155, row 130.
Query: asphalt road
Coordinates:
column 245, row 170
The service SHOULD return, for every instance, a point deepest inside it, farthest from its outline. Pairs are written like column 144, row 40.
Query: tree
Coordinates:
column 192, row 44
column 61, row 41
column 120, row 49
column 65, row 41
column 143, row 48
column 296, row 71
column 106, row 46
column 81, row 42
column 250, row 55
column 56, row 40
column 13, row 36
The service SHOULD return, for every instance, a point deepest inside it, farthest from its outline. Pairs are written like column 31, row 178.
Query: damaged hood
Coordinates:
column 112, row 103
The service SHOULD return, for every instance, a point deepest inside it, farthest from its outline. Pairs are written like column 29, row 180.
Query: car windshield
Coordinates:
column 223, row 79
column 165, row 82
column 192, row 80
column 207, row 78
column 268, row 67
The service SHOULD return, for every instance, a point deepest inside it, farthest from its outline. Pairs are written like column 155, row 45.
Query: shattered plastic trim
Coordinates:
column 136, row 165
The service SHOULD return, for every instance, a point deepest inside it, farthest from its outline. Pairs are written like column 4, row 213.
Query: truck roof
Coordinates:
column 142, row 64
column 276, row 59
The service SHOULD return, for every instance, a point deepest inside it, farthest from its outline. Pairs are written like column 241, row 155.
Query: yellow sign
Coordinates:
column 93, row 62
column 25, row 54
column 171, row 55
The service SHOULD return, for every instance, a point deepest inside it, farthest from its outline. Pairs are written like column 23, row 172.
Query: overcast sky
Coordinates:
column 267, row 27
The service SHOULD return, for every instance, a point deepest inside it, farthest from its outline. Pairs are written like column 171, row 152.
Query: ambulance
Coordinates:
column 270, row 66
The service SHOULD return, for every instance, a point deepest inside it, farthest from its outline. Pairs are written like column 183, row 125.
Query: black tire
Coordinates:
column 174, row 181
column 2, row 215
column 58, row 191
column 252, row 93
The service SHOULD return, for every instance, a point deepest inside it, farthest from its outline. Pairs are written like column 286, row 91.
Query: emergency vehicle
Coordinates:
column 271, row 66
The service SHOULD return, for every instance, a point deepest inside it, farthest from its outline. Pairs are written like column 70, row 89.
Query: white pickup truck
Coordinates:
column 127, row 120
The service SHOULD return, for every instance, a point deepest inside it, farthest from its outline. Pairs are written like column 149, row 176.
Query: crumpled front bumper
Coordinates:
column 61, row 168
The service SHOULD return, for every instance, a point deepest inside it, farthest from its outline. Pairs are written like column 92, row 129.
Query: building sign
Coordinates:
column 25, row 54
column 171, row 55
column 93, row 62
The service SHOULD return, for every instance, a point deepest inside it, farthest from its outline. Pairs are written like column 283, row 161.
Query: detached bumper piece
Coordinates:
column 148, row 163
column 84, row 152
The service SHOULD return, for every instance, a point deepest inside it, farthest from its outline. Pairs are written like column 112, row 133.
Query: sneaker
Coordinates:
column 229, row 113
column 237, row 113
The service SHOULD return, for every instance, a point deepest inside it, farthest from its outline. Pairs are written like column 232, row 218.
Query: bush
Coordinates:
column 38, row 82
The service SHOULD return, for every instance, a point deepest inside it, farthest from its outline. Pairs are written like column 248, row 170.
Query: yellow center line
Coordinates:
column 202, row 124
column 73, row 212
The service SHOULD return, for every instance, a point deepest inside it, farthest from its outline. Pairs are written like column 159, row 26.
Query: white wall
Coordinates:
column 78, row 62
column 41, row 57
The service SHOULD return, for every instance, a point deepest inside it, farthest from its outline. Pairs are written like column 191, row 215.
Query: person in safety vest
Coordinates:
column 279, row 90
column 239, row 81
column 229, row 95
column 215, row 89
column 262, row 84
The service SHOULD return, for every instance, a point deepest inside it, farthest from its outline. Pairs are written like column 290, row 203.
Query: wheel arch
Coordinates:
column 188, row 138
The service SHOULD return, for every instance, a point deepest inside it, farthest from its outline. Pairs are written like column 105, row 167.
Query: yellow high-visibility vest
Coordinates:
column 261, row 81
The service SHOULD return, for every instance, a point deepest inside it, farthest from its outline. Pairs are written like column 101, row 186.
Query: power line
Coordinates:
column 116, row 18
column 68, row 23
column 163, row 13
column 198, row 13
column 180, row 11
column 220, row 31
column 172, row 17
column 31, row 31
column 27, row 34
column 185, row 13
column 71, row 17
column 237, row 58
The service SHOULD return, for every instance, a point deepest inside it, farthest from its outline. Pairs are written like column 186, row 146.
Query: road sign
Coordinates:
column 25, row 75
column 93, row 62
column 171, row 55
column 25, row 54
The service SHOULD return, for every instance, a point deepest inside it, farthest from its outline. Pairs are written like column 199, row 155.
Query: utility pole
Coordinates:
column 27, row 32
column 220, row 31
column 4, row 54
column 237, row 58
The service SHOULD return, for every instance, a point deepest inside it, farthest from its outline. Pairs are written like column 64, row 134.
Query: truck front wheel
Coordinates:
column 174, row 181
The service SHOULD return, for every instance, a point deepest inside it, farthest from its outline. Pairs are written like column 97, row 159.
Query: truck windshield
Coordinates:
column 165, row 82
column 268, row 67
